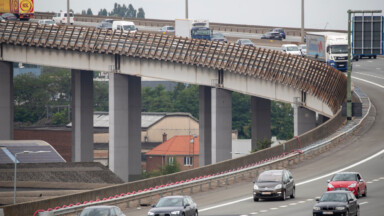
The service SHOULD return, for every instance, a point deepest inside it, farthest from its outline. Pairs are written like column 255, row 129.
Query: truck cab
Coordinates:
column 201, row 33
column 337, row 54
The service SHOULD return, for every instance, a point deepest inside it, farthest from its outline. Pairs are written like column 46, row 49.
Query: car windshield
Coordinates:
column 292, row 48
column 339, row 49
column 170, row 202
column 270, row 177
column 129, row 28
column 70, row 14
column 218, row 36
column 246, row 41
column 171, row 28
column 95, row 212
column 344, row 177
column 203, row 32
column 334, row 197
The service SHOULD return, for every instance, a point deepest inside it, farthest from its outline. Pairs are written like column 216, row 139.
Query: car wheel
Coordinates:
column 347, row 213
column 283, row 197
column 255, row 199
column 358, row 193
column 365, row 192
column 358, row 211
column 196, row 213
column 370, row 57
column 293, row 193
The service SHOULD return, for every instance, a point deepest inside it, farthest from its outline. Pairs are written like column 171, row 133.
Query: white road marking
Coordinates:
column 283, row 206
column 310, row 180
column 363, row 203
column 274, row 208
column 368, row 75
column 369, row 182
column 292, row 204
column 375, row 180
column 310, row 199
column 262, row 211
column 382, row 178
column 301, row 202
column 254, row 213
column 378, row 68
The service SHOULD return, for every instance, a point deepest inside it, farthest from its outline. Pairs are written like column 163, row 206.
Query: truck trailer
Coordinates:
column 328, row 47
column 196, row 29
column 23, row 9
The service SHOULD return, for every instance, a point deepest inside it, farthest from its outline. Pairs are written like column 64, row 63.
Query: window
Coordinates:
column 170, row 160
column 188, row 161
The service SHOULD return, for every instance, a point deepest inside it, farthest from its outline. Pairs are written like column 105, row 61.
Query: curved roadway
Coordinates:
column 363, row 153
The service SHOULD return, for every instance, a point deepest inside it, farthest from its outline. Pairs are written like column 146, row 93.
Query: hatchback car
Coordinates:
column 245, row 42
column 174, row 206
column 102, row 211
column 281, row 31
column 219, row 37
column 292, row 49
column 349, row 180
column 337, row 202
column 166, row 29
column 9, row 16
column 272, row 184
column 272, row 35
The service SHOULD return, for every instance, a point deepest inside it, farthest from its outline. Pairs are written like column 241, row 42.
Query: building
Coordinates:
column 184, row 149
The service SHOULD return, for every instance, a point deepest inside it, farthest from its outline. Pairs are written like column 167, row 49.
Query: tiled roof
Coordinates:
column 177, row 145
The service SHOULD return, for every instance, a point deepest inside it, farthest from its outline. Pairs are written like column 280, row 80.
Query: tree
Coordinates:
column 131, row 12
column 83, row 12
column 103, row 12
column 282, row 120
column 89, row 11
column 141, row 13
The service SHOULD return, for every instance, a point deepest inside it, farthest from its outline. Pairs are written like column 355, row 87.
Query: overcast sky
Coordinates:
column 320, row 14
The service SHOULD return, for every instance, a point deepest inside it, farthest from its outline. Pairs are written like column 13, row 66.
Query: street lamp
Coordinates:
column 15, row 161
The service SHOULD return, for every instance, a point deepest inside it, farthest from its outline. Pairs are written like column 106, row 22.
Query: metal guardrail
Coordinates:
column 311, row 77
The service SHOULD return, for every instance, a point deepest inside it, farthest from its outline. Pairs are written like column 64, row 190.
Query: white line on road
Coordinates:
column 363, row 80
column 363, row 203
column 367, row 75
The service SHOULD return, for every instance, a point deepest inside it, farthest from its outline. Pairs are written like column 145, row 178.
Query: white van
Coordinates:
column 61, row 18
column 124, row 25
column 292, row 49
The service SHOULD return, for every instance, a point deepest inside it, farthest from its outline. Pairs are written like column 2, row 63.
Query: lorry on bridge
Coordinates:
column 328, row 47
column 196, row 29
column 22, row 9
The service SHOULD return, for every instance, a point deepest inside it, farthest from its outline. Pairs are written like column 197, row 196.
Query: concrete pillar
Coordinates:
column 304, row 119
column 6, row 100
column 221, row 125
column 125, row 126
column 261, row 120
column 82, row 116
column 205, row 126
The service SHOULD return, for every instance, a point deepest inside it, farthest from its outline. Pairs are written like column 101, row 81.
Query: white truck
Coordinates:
column 197, row 29
column 328, row 47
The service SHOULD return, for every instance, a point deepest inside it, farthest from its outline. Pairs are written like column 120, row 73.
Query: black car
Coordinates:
column 9, row 16
column 174, row 206
column 338, row 202
column 272, row 35
column 272, row 184
column 219, row 37
column 106, row 24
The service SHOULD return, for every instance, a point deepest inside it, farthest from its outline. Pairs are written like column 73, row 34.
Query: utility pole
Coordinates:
column 186, row 9
column 302, row 21
column 68, row 17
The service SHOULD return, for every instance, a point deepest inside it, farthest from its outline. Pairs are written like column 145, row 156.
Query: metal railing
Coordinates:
column 311, row 77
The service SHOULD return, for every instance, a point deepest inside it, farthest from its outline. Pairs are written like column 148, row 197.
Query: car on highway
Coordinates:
column 166, row 29
column 274, row 184
column 102, row 210
column 245, row 42
column 281, row 31
column 349, row 180
column 9, row 16
column 219, row 37
column 105, row 24
column 338, row 202
column 272, row 35
column 292, row 49
column 61, row 18
column 125, row 26
column 46, row 22
column 174, row 206
column 303, row 49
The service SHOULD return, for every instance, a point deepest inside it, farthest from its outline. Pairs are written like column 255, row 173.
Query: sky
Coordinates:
column 319, row 14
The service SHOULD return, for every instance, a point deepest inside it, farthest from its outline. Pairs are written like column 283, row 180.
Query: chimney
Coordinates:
column 164, row 137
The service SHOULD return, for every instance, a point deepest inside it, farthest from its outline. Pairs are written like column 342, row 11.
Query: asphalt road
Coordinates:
column 363, row 153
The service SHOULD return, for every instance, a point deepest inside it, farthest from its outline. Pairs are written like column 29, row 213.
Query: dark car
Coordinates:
column 175, row 206
column 272, row 184
column 272, row 35
column 106, row 24
column 219, row 37
column 281, row 31
column 338, row 202
column 245, row 42
column 102, row 210
column 351, row 181
column 9, row 16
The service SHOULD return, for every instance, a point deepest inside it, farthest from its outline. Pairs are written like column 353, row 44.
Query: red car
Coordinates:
column 351, row 181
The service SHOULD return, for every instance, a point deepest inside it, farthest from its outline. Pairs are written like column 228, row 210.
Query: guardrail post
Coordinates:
column 218, row 183
column 128, row 203
column 192, row 190
column 234, row 179
column 201, row 187
column 242, row 176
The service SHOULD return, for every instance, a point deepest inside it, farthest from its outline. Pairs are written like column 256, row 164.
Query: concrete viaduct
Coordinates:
column 218, row 68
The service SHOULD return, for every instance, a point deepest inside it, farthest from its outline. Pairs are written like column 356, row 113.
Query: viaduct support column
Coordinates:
column 125, row 126
column 205, row 126
column 221, row 125
column 304, row 119
column 6, row 100
column 261, row 120
column 82, row 116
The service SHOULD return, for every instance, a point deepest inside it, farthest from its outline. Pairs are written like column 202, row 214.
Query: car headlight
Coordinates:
column 340, row 208
column 175, row 213
column 316, row 208
column 332, row 64
column 255, row 187
column 278, row 186
column 352, row 185
column 151, row 213
column 330, row 185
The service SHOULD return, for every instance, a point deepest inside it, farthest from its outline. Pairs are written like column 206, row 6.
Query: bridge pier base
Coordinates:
column 321, row 119
column 82, row 116
column 205, row 126
column 303, row 119
column 261, row 120
column 6, row 100
column 125, row 126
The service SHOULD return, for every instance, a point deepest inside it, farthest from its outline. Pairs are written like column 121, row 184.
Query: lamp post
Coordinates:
column 15, row 160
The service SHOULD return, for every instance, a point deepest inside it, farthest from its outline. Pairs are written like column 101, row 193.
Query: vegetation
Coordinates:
column 167, row 169
column 266, row 143
column 122, row 11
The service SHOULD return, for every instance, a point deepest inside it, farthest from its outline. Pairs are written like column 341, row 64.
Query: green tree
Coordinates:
column 171, row 167
column 241, row 114
column 282, row 120
column 266, row 143
column 100, row 96
column 131, row 12
column 103, row 12
column 60, row 118
column 186, row 99
column 83, row 12
column 141, row 13
column 89, row 11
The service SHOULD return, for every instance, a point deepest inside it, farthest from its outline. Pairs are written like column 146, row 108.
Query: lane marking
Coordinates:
column 310, row 199
column 292, row 204
column 363, row 80
column 262, row 211
column 301, row 202
column 304, row 182
column 254, row 213
column 283, row 206
column 363, row 203
column 369, row 182
column 368, row 75
column 274, row 208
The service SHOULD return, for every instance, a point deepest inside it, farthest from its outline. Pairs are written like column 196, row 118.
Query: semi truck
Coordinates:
column 196, row 29
column 22, row 9
column 328, row 47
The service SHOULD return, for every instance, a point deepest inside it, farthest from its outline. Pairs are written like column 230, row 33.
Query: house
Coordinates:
column 182, row 148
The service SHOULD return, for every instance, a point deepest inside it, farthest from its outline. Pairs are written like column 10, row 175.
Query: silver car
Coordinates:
column 102, row 211
column 273, row 184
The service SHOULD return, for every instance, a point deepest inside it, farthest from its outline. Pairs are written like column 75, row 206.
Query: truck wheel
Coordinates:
column 374, row 57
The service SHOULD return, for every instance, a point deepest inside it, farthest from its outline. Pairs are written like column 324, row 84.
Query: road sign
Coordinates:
column 367, row 35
